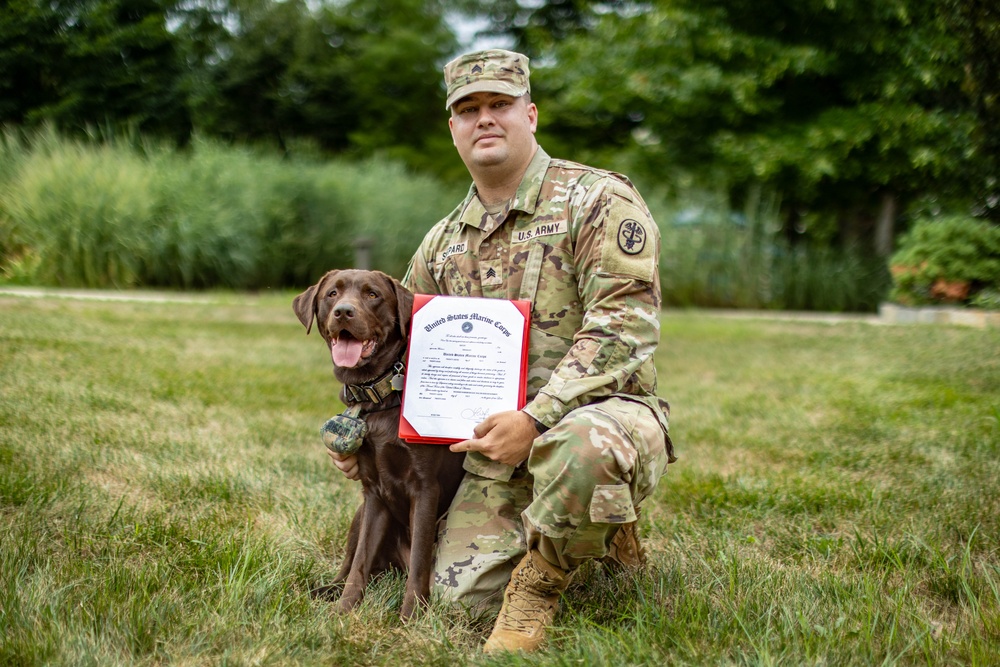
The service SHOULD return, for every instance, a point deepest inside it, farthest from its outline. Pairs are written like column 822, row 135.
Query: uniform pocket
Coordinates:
column 612, row 503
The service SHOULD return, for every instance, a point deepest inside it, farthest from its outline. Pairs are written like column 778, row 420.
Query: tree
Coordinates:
column 977, row 24
column 244, row 93
column 848, row 108
column 359, row 76
column 534, row 28
column 31, row 48
column 91, row 63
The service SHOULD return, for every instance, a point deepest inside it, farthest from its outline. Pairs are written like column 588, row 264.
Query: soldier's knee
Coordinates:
column 592, row 438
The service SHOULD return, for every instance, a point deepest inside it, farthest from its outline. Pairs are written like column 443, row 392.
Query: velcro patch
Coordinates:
column 491, row 273
column 541, row 229
column 629, row 245
column 453, row 249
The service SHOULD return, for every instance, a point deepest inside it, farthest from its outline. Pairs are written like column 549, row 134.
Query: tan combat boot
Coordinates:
column 530, row 604
column 626, row 552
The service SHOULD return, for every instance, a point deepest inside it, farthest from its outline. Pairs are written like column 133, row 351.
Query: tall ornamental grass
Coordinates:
column 122, row 214
column 83, row 213
column 715, row 257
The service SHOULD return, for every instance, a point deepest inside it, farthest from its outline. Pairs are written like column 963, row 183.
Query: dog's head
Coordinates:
column 364, row 316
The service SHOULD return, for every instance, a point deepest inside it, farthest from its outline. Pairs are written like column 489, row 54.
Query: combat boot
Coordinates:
column 626, row 552
column 530, row 604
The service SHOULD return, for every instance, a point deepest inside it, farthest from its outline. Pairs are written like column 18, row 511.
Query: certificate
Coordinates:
column 467, row 359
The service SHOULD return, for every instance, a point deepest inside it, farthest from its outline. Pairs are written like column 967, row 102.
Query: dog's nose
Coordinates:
column 344, row 310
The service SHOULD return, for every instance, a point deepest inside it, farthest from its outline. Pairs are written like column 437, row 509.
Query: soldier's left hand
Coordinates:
column 505, row 437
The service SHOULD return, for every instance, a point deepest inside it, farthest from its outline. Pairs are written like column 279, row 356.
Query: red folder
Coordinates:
column 406, row 430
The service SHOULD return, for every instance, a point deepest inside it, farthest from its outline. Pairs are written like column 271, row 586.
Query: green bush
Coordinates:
column 79, row 213
column 952, row 259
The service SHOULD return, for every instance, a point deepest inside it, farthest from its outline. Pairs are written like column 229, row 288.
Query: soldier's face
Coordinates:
column 493, row 131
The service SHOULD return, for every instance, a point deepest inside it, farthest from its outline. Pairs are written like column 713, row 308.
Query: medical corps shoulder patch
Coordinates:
column 631, row 237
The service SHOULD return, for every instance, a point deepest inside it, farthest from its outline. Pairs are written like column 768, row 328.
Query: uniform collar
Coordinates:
column 525, row 199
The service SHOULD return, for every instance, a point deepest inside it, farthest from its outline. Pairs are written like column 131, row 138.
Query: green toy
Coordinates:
column 345, row 432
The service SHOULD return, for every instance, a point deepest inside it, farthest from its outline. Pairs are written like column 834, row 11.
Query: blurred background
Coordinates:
column 810, row 155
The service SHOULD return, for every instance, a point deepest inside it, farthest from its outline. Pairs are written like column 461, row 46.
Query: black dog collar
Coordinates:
column 378, row 389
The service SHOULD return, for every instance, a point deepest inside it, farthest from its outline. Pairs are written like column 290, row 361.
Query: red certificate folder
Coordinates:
column 462, row 318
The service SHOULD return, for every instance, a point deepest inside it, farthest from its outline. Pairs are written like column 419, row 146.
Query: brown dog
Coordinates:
column 364, row 318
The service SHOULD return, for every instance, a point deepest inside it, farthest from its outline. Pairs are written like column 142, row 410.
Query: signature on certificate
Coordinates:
column 475, row 414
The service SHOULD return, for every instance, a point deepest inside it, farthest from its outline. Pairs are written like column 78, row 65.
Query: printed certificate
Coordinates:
column 467, row 359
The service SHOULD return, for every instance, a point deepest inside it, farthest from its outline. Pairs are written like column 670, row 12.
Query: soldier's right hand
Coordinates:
column 346, row 463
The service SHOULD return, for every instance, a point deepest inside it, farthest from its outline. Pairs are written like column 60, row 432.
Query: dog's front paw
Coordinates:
column 411, row 605
column 329, row 593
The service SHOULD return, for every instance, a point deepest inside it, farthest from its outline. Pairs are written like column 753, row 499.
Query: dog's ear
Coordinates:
column 305, row 305
column 404, row 307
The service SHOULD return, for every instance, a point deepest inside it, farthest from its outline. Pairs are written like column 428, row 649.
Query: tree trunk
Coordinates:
column 884, row 225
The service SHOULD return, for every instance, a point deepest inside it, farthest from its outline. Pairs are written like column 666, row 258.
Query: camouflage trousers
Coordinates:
column 581, row 482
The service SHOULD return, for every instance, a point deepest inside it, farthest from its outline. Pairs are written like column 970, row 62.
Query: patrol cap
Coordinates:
column 490, row 71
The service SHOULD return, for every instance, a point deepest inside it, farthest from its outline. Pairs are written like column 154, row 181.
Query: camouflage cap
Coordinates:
column 494, row 71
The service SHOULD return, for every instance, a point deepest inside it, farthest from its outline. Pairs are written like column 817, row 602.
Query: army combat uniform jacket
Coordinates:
column 581, row 246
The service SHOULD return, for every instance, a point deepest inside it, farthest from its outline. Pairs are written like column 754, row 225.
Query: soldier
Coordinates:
column 558, row 482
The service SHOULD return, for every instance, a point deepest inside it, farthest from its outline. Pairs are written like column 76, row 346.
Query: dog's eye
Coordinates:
column 332, row 293
column 372, row 295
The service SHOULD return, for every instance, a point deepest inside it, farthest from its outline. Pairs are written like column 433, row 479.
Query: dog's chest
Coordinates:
column 388, row 471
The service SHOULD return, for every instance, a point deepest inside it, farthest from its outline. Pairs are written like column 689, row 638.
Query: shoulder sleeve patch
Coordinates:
column 630, row 243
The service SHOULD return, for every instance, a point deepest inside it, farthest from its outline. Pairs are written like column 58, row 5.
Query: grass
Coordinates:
column 164, row 499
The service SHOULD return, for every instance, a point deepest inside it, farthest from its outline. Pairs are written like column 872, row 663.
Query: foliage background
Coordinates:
column 794, row 135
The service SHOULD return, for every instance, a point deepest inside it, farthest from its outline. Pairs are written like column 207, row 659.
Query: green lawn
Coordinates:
column 165, row 499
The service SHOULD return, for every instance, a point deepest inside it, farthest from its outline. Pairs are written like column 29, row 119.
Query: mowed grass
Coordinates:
column 165, row 499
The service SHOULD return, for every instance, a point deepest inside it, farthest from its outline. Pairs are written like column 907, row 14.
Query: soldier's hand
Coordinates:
column 346, row 463
column 505, row 437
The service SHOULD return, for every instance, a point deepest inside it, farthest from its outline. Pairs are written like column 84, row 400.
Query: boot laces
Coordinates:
column 531, row 603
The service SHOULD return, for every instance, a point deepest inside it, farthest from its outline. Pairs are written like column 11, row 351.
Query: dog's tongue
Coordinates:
column 346, row 352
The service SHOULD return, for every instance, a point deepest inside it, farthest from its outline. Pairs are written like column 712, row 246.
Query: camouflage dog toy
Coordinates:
column 345, row 432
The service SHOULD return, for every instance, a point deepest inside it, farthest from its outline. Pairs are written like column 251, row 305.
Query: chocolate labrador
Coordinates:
column 364, row 318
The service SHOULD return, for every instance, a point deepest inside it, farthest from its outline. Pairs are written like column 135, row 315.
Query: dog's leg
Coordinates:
column 352, row 546
column 374, row 527
column 423, row 523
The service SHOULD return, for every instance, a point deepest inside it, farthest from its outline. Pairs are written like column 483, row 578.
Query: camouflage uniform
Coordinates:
column 580, row 245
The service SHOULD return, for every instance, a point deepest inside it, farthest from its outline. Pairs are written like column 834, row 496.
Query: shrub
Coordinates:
column 947, row 260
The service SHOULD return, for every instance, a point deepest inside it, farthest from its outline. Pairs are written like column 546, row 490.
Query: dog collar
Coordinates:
column 378, row 389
